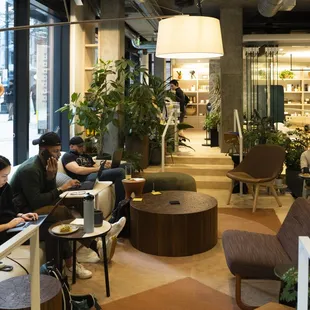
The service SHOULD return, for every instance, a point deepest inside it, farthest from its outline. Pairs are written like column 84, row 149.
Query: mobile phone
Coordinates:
column 46, row 154
column 174, row 202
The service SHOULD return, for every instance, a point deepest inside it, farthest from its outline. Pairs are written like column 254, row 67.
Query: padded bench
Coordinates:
column 166, row 181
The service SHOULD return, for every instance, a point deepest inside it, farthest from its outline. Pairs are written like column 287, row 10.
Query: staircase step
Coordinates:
column 212, row 182
column 203, row 160
column 193, row 169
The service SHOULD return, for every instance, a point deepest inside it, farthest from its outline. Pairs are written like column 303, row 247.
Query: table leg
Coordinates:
column 105, row 264
column 60, row 255
column 74, row 262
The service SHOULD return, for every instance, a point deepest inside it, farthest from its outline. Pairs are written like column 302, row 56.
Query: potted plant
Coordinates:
column 286, row 74
column 212, row 122
column 156, row 141
column 98, row 107
column 179, row 73
column 297, row 143
column 142, row 106
column 288, row 292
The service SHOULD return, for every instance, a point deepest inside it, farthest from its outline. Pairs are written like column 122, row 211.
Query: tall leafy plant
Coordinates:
column 99, row 106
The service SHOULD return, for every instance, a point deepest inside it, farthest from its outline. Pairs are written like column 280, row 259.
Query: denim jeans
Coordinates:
column 116, row 175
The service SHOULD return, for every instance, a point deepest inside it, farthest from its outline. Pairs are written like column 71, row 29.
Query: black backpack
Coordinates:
column 122, row 209
column 186, row 100
column 69, row 301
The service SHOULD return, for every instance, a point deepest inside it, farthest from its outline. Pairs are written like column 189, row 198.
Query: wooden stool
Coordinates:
column 15, row 293
column 133, row 185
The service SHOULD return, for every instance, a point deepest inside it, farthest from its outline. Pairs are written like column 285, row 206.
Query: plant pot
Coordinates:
column 294, row 182
column 214, row 137
column 135, row 145
column 179, row 77
column 155, row 156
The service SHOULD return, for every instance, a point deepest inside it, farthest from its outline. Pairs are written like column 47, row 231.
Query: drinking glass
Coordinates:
column 128, row 172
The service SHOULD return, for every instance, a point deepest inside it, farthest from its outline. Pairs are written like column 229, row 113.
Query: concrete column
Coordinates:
column 112, row 33
column 231, row 69
column 160, row 67
column 112, row 47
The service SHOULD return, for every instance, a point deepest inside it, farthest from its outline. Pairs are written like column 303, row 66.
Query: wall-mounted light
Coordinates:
column 189, row 37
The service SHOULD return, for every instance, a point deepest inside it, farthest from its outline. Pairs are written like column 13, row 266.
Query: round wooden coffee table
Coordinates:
column 160, row 228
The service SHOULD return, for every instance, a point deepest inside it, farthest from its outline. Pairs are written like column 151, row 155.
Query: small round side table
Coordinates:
column 133, row 185
column 79, row 235
column 15, row 293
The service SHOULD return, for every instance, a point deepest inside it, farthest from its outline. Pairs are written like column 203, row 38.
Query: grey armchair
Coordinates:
column 254, row 256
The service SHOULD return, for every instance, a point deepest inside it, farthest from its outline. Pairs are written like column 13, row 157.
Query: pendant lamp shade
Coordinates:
column 189, row 37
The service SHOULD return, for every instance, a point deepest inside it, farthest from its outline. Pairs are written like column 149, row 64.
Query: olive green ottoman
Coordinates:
column 166, row 181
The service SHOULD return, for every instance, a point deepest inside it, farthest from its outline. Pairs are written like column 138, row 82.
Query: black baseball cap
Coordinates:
column 77, row 140
column 48, row 139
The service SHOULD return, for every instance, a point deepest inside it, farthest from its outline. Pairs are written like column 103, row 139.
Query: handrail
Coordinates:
column 303, row 272
column 32, row 233
column 237, row 124
column 172, row 114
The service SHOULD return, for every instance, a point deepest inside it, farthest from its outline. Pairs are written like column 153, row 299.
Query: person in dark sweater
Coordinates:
column 34, row 189
column 81, row 166
column 180, row 97
column 9, row 216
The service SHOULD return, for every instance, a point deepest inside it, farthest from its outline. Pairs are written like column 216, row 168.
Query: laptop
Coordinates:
column 117, row 158
column 86, row 185
column 39, row 221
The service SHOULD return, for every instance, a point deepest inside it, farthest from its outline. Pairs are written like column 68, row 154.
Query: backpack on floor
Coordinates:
column 122, row 209
column 69, row 301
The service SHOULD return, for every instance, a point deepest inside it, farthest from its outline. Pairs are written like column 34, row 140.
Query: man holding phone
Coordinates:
column 34, row 188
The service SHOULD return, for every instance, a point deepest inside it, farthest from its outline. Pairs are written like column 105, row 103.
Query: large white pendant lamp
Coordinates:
column 189, row 37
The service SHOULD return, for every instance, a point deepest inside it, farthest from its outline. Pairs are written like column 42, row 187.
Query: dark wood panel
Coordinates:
column 179, row 230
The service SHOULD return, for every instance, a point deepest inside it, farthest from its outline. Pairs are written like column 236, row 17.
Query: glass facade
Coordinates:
column 6, row 75
column 45, row 66
column 42, row 65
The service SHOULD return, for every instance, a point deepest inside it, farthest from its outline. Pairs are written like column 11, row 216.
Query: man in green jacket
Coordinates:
column 34, row 188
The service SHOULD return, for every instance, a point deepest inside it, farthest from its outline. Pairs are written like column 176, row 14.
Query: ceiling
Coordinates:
column 283, row 22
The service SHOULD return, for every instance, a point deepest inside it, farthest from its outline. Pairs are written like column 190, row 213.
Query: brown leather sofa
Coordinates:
column 254, row 256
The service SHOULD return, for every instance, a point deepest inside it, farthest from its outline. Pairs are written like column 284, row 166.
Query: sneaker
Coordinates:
column 110, row 244
column 87, row 255
column 117, row 227
column 81, row 272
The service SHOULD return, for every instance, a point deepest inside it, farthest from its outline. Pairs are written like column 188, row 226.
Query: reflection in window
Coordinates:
column 41, row 68
column 6, row 75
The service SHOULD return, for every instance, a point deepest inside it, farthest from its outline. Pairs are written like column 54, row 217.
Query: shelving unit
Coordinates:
column 90, row 53
column 196, row 87
column 296, row 93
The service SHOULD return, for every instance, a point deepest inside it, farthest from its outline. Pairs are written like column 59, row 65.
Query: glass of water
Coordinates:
column 128, row 172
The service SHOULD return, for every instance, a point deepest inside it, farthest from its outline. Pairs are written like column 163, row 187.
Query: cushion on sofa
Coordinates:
column 165, row 181
column 253, row 255
column 296, row 223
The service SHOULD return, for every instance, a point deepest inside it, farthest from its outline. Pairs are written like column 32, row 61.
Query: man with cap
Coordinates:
column 35, row 190
column 81, row 166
